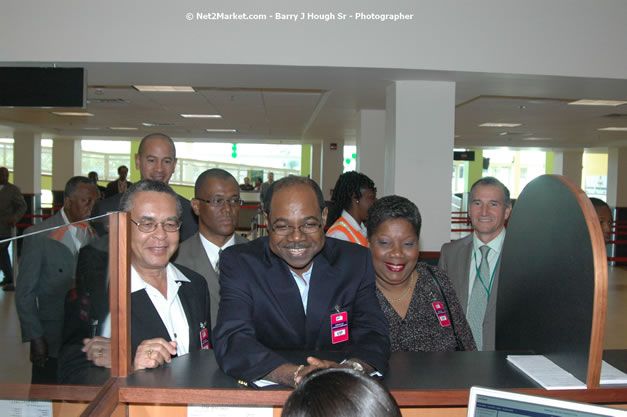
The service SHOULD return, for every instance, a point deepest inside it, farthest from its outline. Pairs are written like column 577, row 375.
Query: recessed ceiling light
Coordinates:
column 489, row 124
column 534, row 138
column 149, row 124
column 72, row 113
column 164, row 88
column 221, row 130
column 122, row 128
column 598, row 103
column 202, row 116
column 614, row 129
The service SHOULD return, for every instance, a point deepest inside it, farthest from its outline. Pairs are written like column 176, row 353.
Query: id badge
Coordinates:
column 440, row 313
column 339, row 327
column 204, row 337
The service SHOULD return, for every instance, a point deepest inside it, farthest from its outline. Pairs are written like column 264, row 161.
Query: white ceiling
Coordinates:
column 309, row 104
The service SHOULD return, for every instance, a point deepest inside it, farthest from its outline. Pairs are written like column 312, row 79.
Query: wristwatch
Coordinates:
column 355, row 366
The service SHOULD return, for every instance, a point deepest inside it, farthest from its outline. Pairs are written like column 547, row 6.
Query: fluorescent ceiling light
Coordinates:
column 221, row 130
column 598, row 103
column 72, row 113
column 614, row 129
column 202, row 116
column 534, row 138
column 164, row 88
column 122, row 128
column 500, row 124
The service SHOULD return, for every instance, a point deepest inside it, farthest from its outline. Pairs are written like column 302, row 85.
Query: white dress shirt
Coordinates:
column 494, row 256
column 212, row 250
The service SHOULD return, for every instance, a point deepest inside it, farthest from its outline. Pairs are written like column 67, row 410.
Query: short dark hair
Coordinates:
column 123, row 166
column 126, row 202
column 157, row 135
column 288, row 182
column 338, row 392
column 72, row 184
column 212, row 173
column 494, row 182
column 393, row 207
column 597, row 202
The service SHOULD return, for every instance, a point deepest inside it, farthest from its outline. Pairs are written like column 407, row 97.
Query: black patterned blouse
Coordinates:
column 423, row 329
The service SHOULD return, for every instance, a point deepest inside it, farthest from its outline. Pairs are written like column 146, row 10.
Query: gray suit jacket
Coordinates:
column 12, row 204
column 45, row 276
column 455, row 260
column 192, row 254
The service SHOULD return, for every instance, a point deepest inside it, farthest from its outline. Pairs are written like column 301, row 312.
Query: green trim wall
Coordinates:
column 305, row 160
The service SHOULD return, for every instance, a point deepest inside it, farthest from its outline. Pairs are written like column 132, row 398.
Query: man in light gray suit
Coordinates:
column 46, row 274
column 472, row 263
column 216, row 203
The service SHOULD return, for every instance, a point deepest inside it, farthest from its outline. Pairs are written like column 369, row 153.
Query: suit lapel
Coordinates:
column 281, row 283
column 321, row 299
column 186, row 294
column 466, row 254
column 143, row 312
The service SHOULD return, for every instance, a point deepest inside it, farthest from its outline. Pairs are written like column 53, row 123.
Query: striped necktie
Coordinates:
column 479, row 298
column 217, row 268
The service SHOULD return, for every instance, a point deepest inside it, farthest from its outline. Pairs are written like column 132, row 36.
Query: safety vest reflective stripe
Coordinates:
column 353, row 235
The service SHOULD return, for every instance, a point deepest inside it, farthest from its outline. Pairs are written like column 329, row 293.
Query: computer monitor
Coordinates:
column 485, row 402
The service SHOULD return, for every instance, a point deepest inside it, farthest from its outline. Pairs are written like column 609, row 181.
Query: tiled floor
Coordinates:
column 15, row 365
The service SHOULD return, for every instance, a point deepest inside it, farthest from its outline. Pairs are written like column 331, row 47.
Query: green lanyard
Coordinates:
column 487, row 289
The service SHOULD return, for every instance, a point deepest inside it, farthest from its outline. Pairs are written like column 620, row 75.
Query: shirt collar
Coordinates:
column 306, row 275
column 65, row 219
column 212, row 249
column 353, row 223
column 173, row 276
column 495, row 244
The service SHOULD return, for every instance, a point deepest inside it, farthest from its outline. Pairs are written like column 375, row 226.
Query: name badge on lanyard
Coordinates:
column 339, row 327
column 440, row 313
column 204, row 336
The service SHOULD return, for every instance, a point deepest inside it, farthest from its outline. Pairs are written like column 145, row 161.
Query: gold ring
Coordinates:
column 100, row 352
column 149, row 353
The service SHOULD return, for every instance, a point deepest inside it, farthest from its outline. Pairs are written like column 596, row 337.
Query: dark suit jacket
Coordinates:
column 261, row 309
column 112, row 188
column 191, row 254
column 189, row 227
column 74, row 368
column 455, row 260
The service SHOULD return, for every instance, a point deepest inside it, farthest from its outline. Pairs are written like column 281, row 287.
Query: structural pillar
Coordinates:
column 371, row 144
column 27, row 168
column 420, row 121
column 617, row 177
column 66, row 162
column 332, row 167
column 316, row 163
column 569, row 164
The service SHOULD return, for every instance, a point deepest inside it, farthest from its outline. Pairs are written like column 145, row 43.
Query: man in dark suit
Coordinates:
column 170, row 307
column 120, row 185
column 156, row 160
column 293, row 290
column 216, row 203
column 46, row 273
column 12, row 208
column 473, row 275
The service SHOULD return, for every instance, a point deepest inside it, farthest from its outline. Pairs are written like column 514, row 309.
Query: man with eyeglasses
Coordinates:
column 216, row 203
column 170, row 305
column 296, row 291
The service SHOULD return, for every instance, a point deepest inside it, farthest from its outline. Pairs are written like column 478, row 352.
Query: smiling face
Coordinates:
column 150, row 251
column 395, row 252
column 488, row 212
column 294, row 206
column 217, row 224
column 156, row 160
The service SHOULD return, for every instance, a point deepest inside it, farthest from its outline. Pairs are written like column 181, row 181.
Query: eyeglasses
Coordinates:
column 307, row 228
column 148, row 226
column 220, row 202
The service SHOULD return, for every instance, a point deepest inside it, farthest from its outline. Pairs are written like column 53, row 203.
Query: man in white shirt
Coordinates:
column 472, row 263
column 216, row 203
column 46, row 274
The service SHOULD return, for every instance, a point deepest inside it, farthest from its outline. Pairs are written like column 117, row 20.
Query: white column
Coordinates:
column 316, row 163
column 569, row 164
column 332, row 156
column 66, row 162
column 371, row 144
column 420, row 123
column 617, row 177
column 27, row 161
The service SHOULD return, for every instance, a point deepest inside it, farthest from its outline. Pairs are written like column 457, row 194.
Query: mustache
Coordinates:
column 297, row 245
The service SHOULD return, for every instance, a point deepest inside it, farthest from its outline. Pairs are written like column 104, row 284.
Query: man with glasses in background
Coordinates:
column 216, row 203
column 296, row 291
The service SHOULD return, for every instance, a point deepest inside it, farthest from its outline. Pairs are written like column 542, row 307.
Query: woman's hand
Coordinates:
column 98, row 350
column 152, row 353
